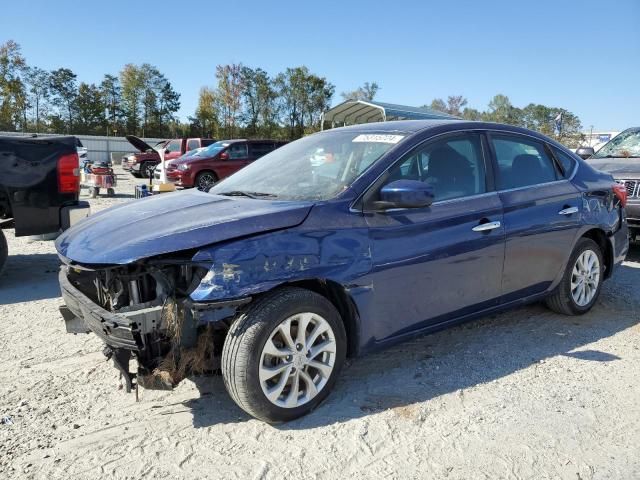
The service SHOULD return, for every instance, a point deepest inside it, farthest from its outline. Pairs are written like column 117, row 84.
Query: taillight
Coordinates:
column 69, row 173
column 620, row 192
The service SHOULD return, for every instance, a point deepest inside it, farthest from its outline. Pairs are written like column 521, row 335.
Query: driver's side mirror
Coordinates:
column 405, row 194
column 223, row 156
column 585, row 152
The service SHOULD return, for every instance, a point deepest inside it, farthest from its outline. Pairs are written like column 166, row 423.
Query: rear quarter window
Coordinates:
column 566, row 162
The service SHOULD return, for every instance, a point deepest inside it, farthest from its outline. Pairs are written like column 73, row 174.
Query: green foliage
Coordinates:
column 366, row 92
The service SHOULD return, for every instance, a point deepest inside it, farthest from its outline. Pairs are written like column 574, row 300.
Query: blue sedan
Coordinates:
column 338, row 244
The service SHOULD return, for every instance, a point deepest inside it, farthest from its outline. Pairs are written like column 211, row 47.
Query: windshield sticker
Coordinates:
column 377, row 138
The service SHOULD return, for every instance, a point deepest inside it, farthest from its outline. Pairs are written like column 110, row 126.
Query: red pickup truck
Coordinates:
column 141, row 164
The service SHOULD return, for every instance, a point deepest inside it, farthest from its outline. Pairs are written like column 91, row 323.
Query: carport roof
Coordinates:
column 353, row 112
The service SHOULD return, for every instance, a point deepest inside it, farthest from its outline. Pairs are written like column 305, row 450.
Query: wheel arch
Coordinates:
column 341, row 300
column 600, row 237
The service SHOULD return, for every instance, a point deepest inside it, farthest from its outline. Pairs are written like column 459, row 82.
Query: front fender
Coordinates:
column 257, row 264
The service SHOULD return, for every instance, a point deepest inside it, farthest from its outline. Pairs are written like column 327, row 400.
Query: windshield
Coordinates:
column 625, row 144
column 212, row 150
column 317, row 167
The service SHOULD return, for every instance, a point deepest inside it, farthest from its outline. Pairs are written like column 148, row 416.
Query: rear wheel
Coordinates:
column 95, row 191
column 282, row 356
column 4, row 251
column 146, row 169
column 205, row 180
column 582, row 280
column 111, row 192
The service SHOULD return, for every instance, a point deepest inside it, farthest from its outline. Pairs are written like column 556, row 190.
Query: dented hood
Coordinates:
column 172, row 222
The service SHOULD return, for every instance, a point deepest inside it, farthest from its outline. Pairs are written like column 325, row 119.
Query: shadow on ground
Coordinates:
column 29, row 277
column 454, row 359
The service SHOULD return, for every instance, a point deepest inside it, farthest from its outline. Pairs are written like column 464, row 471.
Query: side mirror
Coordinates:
column 405, row 194
column 223, row 156
column 585, row 152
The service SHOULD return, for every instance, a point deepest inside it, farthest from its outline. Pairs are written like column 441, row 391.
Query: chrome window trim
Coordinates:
column 472, row 130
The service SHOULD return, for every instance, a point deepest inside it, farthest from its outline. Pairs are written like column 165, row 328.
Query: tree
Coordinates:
column 304, row 97
column 502, row 111
column 229, row 96
column 38, row 82
column 206, row 117
column 259, row 95
column 13, row 103
column 132, row 90
column 64, row 93
column 112, row 97
column 471, row 114
column 453, row 105
column 366, row 92
column 90, row 110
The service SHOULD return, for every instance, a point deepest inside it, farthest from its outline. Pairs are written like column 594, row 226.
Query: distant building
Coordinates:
column 597, row 139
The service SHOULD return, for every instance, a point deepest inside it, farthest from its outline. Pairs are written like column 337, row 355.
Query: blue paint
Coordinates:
column 407, row 271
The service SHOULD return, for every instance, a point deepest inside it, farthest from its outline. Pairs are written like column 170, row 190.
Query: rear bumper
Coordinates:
column 72, row 214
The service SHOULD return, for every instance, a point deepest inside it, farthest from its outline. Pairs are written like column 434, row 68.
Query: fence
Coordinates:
column 99, row 148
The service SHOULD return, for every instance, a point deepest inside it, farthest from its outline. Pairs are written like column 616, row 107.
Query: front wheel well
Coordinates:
column 341, row 300
column 600, row 237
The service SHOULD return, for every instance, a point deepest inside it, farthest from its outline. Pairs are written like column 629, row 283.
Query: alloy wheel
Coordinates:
column 585, row 278
column 297, row 360
column 206, row 181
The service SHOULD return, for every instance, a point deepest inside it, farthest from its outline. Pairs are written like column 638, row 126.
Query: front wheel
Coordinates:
column 582, row 280
column 282, row 356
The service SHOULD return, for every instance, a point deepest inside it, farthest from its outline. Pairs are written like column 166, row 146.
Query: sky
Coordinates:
column 581, row 55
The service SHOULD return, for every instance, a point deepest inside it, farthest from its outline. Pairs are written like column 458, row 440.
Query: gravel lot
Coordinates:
column 524, row 394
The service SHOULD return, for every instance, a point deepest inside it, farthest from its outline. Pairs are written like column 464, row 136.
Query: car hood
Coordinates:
column 140, row 145
column 618, row 167
column 172, row 222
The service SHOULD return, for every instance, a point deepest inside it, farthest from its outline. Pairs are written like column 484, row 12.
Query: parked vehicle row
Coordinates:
column 340, row 243
column 621, row 158
column 143, row 163
column 39, row 186
column 205, row 167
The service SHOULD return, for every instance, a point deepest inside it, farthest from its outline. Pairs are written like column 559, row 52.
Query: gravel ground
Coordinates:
column 524, row 394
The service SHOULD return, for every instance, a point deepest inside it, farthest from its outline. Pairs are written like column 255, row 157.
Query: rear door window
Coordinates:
column 522, row 162
column 260, row 149
column 238, row 151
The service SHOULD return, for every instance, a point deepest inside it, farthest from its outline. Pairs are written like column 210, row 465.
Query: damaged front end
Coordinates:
column 143, row 310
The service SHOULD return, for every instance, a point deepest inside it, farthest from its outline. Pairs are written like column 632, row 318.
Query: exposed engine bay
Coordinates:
column 143, row 310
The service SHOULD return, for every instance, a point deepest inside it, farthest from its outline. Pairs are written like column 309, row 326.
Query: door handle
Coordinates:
column 568, row 211
column 485, row 227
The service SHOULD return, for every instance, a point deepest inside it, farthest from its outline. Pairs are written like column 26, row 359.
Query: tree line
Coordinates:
column 242, row 102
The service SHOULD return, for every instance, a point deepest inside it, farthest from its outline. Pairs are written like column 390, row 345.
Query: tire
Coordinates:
column 95, row 191
column 4, row 251
column 205, row 180
column 146, row 169
column 245, row 357
column 110, row 192
column 563, row 300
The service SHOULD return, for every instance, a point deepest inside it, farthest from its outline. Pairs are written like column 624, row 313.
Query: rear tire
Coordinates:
column 278, row 378
column 110, row 192
column 581, row 282
column 95, row 191
column 4, row 251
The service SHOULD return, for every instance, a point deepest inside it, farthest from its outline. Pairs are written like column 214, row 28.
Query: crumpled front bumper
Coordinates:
column 115, row 330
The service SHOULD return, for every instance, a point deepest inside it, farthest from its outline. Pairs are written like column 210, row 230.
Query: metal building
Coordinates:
column 353, row 112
